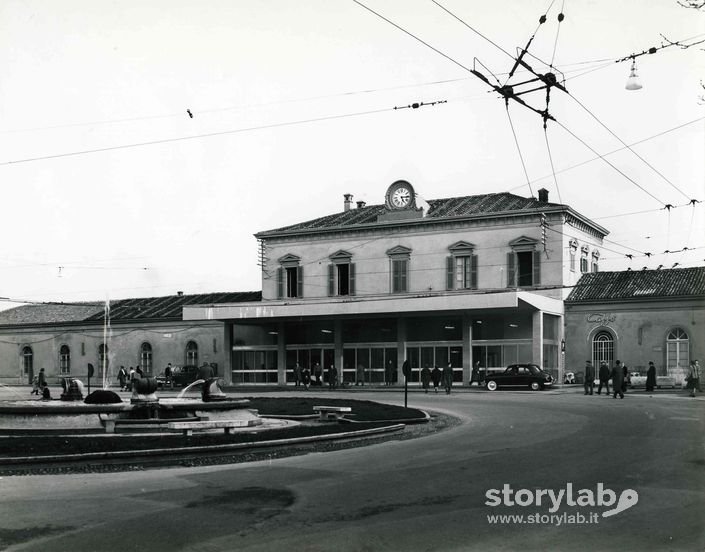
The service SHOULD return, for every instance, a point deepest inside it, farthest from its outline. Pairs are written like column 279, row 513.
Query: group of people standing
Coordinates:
column 126, row 379
column 435, row 376
column 619, row 375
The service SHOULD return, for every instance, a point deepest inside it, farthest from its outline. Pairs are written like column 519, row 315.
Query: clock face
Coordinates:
column 400, row 195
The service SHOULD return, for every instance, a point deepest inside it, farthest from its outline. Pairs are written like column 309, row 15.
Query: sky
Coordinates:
column 111, row 189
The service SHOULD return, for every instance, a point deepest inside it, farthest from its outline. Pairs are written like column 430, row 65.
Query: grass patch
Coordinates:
column 361, row 410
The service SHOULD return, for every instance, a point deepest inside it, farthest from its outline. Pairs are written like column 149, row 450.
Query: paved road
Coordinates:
column 421, row 494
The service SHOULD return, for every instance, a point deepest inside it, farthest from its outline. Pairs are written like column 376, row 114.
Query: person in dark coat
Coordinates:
column 604, row 375
column 650, row 377
column 297, row 374
column 626, row 380
column 435, row 378
column 589, row 382
column 475, row 375
column 42, row 380
column 448, row 378
column 306, row 378
column 425, row 378
column 332, row 376
column 122, row 377
column 389, row 373
column 618, row 380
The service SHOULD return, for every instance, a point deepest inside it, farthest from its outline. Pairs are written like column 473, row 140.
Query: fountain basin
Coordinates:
column 59, row 416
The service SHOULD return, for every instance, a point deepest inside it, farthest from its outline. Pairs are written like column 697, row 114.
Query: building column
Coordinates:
column 338, row 345
column 467, row 349
column 281, row 354
column 401, row 348
column 537, row 338
column 227, row 369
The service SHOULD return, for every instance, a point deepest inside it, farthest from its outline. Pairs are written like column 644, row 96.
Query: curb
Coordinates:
column 167, row 451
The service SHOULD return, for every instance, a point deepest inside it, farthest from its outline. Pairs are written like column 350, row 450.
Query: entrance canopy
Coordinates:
column 352, row 306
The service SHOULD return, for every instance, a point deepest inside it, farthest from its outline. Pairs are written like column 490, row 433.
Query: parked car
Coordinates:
column 184, row 375
column 518, row 376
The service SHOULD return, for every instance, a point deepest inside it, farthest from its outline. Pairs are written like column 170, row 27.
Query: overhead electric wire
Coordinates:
column 553, row 169
column 402, row 29
column 558, row 30
column 627, row 146
column 197, row 136
column 516, row 141
column 615, row 151
column 610, row 164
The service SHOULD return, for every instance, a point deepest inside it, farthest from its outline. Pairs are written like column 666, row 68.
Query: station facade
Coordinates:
column 479, row 278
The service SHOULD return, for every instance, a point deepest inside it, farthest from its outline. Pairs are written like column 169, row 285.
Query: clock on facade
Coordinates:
column 400, row 195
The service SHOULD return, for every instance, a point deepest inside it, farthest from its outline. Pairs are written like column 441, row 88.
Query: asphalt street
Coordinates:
column 512, row 450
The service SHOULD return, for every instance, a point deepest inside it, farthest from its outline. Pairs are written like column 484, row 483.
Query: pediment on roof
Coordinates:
column 399, row 250
column 340, row 255
column 523, row 242
column 289, row 258
column 462, row 247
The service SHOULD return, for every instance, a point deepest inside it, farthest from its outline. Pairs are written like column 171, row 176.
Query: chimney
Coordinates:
column 361, row 204
column 543, row 195
column 348, row 202
column 180, row 293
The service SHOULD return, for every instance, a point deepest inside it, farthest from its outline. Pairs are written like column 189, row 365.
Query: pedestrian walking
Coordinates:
column 35, row 385
column 42, row 381
column 122, row 377
column 448, row 378
column 425, row 378
column 389, row 373
column 332, row 377
column 360, row 375
column 317, row 374
column 626, row 378
column 618, row 380
column 306, row 378
column 604, row 375
column 693, row 377
column 475, row 375
column 650, row 377
column 589, row 375
column 131, row 375
column 168, row 371
column 435, row 378
column 297, row 375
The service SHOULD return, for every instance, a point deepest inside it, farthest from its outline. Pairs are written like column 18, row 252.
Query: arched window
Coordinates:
column 64, row 360
column 28, row 363
column 602, row 349
column 146, row 358
column 677, row 351
column 103, row 358
column 192, row 353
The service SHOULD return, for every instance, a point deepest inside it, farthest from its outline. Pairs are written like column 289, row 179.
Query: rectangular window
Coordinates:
column 292, row 279
column 583, row 264
column 525, row 268
column 594, row 267
column 400, row 269
column 572, row 261
column 343, row 279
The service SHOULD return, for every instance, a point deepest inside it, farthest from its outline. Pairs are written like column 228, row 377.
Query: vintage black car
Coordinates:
column 519, row 376
column 184, row 375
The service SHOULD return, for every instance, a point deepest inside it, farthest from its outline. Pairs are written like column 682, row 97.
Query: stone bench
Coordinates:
column 112, row 421
column 331, row 413
column 188, row 427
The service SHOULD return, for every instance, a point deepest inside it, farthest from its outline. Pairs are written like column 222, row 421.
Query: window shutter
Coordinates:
column 537, row 267
column 473, row 273
column 449, row 272
column 511, row 277
column 352, row 278
column 300, row 281
column 404, row 275
column 331, row 280
column 280, row 282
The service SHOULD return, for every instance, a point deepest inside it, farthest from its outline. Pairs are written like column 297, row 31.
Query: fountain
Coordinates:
column 145, row 411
